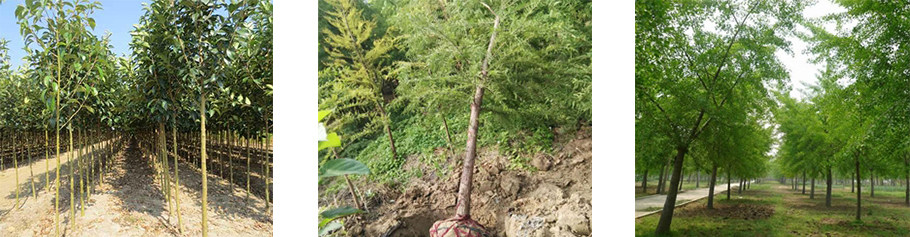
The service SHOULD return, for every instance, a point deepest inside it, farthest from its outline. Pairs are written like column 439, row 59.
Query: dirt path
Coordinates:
column 654, row 203
column 130, row 203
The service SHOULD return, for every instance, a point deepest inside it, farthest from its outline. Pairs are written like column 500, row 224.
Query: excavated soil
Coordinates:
column 553, row 201
column 130, row 203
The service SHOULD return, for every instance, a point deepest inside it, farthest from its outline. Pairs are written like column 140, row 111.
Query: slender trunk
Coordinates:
column 871, row 183
column 644, row 183
column 812, row 192
column 680, row 185
column 16, row 167
column 666, row 216
column 907, row 182
column 176, row 177
column 711, row 184
column 660, row 179
column 72, row 181
column 828, row 191
column 248, row 158
column 31, row 172
column 852, row 183
column 697, row 178
column 859, row 188
column 350, row 185
column 205, row 186
column 804, row 182
column 162, row 155
column 388, row 129
column 47, row 163
column 728, row 183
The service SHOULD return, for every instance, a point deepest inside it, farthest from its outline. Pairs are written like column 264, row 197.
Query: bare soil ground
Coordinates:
column 130, row 203
column 553, row 201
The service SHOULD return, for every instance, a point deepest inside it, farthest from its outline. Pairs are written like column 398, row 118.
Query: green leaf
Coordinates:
column 323, row 113
column 332, row 140
column 340, row 212
column 342, row 166
column 329, row 228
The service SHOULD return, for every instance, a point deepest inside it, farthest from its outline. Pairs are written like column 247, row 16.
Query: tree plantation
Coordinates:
column 172, row 139
column 455, row 118
column 718, row 110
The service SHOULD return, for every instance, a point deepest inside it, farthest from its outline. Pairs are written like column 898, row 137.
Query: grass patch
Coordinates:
column 772, row 209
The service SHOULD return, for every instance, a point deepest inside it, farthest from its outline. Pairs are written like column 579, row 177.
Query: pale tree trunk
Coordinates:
column 463, row 210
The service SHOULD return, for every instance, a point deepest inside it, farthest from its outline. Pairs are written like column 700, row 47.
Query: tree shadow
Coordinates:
column 222, row 196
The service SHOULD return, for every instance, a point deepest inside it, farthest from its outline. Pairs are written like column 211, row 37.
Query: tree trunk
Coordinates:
column 203, row 156
column 680, row 185
column 907, row 182
column 644, row 183
column 859, row 186
column 666, row 216
column 812, row 192
column 711, row 184
column 697, row 179
column 828, row 191
column 852, row 183
column 804, row 182
column 871, row 183
column 740, row 188
column 660, row 179
column 176, row 176
column 728, row 183
column 388, row 129
column 463, row 210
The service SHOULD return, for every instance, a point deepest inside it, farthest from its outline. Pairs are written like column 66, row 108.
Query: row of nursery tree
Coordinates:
column 198, row 69
column 853, row 122
column 711, row 96
column 406, row 77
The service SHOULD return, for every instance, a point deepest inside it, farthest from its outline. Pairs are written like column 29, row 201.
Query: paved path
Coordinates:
column 643, row 203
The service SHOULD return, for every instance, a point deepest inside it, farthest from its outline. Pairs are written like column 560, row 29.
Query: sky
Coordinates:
column 801, row 70
column 117, row 17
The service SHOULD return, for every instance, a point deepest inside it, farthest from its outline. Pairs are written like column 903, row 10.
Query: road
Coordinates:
column 657, row 201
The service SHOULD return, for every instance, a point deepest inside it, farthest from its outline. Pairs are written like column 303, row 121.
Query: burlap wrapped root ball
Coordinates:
column 458, row 227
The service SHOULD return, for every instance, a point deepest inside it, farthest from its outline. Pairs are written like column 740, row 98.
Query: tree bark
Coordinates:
column 697, row 179
column 666, row 216
column 859, row 186
column 463, row 210
column 203, row 156
column 804, row 182
column 660, row 179
column 711, row 184
column 852, row 183
column 871, row 183
column 828, row 189
column 388, row 129
column 728, row 184
column 812, row 192
column 644, row 182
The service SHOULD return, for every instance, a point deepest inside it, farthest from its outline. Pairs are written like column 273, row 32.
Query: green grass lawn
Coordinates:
column 772, row 209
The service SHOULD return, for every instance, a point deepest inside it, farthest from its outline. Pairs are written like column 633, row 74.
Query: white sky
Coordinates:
column 801, row 70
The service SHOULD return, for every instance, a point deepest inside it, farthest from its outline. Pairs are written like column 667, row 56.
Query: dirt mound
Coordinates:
column 734, row 211
column 555, row 201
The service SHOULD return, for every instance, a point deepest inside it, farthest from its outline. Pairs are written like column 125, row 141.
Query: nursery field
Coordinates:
column 168, row 133
column 774, row 209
